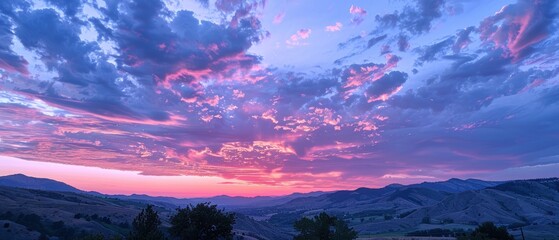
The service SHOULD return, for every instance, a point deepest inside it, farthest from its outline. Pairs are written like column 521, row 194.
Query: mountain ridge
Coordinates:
column 28, row 182
column 223, row 200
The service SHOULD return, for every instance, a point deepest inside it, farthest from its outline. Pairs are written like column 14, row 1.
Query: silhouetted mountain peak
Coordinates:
column 455, row 180
column 24, row 181
column 395, row 185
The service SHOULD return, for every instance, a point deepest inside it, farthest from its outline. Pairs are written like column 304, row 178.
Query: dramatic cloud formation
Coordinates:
column 229, row 89
column 9, row 60
column 516, row 27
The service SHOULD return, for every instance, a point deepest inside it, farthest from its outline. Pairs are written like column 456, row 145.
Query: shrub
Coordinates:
column 203, row 221
column 323, row 227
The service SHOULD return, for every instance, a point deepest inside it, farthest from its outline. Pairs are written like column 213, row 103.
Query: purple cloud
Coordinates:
column 137, row 85
column 414, row 19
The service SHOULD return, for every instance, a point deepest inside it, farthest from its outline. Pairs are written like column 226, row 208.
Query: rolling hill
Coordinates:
column 23, row 181
column 229, row 202
column 26, row 213
column 33, row 205
column 390, row 199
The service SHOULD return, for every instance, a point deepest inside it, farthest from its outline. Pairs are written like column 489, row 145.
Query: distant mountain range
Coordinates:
column 394, row 197
column 516, row 202
column 451, row 186
column 23, row 181
column 223, row 200
column 26, row 213
column 394, row 209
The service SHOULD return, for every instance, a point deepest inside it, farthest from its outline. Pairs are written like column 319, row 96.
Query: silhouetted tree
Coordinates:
column 488, row 231
column 323, row 227
column 203, row 221
column 146, row 226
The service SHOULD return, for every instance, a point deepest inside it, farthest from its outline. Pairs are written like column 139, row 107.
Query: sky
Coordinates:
column 255, row 97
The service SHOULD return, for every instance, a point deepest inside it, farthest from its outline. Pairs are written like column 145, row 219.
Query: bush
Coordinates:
column 488, row 231
column 203, row 221
column 323, row 227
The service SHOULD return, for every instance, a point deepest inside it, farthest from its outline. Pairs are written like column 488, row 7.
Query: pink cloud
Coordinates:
column 212, row 101
column 304, row 33
column 18, row 66
column 358, row 14
column 357, row 10
column 384, row 96
column 295, row 39
column 238, row 94
column 516, row 27
column 357, row 75
column 334, row 28
column 279, row 18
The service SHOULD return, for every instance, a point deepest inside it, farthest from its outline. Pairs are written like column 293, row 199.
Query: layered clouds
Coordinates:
column 167, row 89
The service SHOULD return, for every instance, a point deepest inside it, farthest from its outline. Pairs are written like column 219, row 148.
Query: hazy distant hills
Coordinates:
column 455, row 185
column 531, row 204
column 315, row 199
column 517, row 202
column 452, row 204
column 395, row 209
column 23, row 181
column 393, row 197
column 223, row 200
column 38, row 210
column 26, row 213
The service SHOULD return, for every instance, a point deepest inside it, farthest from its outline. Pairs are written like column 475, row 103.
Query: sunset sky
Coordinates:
column 255, row 97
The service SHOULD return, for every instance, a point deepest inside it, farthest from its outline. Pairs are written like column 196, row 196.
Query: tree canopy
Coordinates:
column 488, row 231
column 203, row 221
column 323, row 227
column 146, row 226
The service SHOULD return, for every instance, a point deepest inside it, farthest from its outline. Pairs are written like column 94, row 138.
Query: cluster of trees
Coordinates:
column 203, row 221
column 206, row 221
column 488, row 231
column 97, row 218
column 34, row 222
column 323, row 227
column 485, row 231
